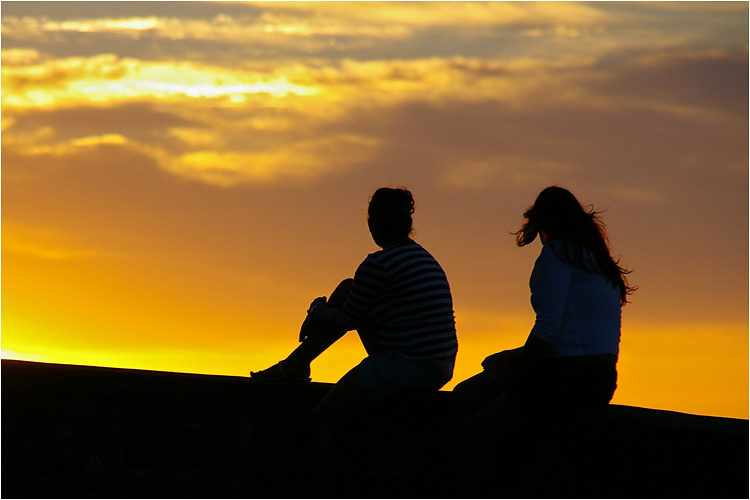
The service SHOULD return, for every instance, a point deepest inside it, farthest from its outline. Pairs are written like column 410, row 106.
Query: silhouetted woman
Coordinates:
column 401, row 305
column 569, row 359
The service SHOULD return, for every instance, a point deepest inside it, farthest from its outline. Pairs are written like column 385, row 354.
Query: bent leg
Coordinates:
column 339, row 295
column 317, row 338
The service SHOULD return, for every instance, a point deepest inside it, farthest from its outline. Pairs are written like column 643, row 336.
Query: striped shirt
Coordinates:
column 404, row 294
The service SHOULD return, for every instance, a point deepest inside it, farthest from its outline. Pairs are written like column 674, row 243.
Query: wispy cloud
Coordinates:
column 234, row 126
column 45, row 244
column 303, row 160
column 107, row 78
column 306, row 19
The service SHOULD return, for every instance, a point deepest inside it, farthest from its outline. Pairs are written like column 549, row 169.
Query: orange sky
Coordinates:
column 179, row 180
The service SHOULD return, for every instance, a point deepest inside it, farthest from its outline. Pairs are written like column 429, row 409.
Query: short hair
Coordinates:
column 389, row 213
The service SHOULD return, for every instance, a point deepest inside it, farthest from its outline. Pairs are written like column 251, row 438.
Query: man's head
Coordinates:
column 389, row 215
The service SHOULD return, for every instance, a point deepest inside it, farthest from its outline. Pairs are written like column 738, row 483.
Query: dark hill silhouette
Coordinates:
column 75, row 431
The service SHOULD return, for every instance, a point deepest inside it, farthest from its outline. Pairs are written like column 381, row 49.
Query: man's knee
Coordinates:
column 339, row 295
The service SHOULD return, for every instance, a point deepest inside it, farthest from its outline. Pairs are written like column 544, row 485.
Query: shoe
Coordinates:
column 276, row 373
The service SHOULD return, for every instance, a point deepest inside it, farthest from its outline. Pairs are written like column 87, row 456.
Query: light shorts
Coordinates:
column 387, row 373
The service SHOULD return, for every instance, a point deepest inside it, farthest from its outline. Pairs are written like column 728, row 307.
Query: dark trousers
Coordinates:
column 505, row 418
column 555, row 385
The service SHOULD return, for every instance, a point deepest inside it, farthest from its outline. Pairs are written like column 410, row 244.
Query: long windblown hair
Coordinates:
column 558, row 214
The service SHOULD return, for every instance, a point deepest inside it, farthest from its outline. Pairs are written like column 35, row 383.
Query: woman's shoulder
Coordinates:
column 552, row 251
column 550, row 257
column 579, row 258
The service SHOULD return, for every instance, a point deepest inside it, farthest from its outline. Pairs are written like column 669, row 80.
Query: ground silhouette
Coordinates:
column 84, row 432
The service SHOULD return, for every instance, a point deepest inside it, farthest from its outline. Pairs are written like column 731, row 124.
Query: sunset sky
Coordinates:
column 180, row 180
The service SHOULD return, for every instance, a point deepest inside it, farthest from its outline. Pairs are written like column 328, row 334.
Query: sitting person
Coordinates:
column 400, row 303
column 569, row 359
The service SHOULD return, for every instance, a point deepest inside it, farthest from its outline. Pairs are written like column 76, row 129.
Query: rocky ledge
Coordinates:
column 89, row 432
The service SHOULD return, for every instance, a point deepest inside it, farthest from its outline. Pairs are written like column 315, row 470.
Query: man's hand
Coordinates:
column 318, row 315
column 321, row 311
column 315, row 303
column 310, row 324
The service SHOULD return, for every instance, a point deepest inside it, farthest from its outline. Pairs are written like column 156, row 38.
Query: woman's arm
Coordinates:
column 550, row 283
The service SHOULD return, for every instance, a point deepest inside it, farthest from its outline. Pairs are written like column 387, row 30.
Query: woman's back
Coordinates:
column 578, row 311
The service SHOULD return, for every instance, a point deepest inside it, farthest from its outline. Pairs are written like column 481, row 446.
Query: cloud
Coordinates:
column 440, row 13
column 303, row 160
column 638, row 195
column 44, row 243
column 110, row 25
column 53, row 82
column 107, row 78
column 258, row 20
column 519, row 119
column 215, row 126
column 270, row 28
column 42, row 143
column 488, row 173
column 20, row 57
column 691, row 84
column 246, row 33
column 137, row 121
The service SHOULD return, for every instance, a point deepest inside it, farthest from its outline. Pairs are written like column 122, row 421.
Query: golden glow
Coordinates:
column 473, row 14
column 175, row 197
column 40, row 358
column 105, row 78
column 162, row 87
column 304, row 98
column 718, row 372
column 305, row 160
column 40, row 243
column 710, row 360
column 133, row 24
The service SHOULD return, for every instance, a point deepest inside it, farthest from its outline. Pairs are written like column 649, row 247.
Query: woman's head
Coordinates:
column 558, row 215
column 389, row 215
